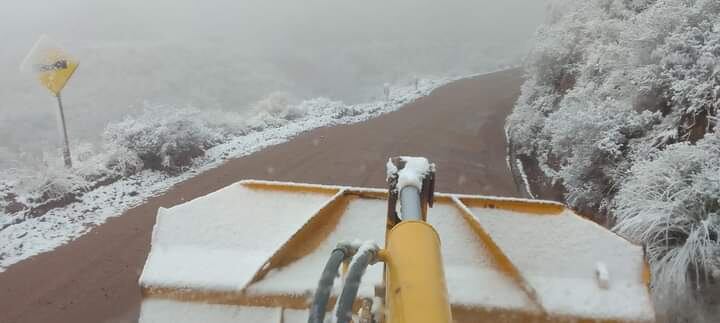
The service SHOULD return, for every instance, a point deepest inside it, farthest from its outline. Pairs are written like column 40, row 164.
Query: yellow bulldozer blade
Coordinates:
column 254, row 251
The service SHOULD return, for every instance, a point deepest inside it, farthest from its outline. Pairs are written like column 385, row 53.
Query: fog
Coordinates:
column 228, row 54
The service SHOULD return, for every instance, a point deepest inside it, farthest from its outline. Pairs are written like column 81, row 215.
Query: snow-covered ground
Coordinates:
column 25, row 236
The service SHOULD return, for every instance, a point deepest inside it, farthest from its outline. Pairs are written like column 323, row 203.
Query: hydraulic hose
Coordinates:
column 322, row 294
column 362, row 259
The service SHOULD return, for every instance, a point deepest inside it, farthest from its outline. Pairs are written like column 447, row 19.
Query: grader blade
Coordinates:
column 258, row 251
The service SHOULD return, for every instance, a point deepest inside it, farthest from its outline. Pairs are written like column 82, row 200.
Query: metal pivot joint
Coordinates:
column 413, row 201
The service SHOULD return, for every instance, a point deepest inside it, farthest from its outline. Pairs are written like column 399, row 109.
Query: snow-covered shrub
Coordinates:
column 162, row 138
column 46, row 178
column 594, row 147
column 123, row 162
column 690, row 60
column 273, row 111
column 671, row 204
column 619, row 90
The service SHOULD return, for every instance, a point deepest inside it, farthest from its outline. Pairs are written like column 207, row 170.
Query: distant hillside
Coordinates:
column 619, row 114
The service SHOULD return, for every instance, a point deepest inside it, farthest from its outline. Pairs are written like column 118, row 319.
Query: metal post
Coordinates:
column 63, row 133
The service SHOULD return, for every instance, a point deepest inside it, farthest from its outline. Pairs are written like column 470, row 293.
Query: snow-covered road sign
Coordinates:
column 53, row 68
column 51, row 64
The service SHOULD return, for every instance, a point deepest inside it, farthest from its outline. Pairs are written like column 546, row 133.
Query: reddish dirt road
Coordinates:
column 459, row 127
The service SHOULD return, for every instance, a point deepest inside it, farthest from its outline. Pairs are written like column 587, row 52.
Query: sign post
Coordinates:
column 53, row 68
column 63, row 131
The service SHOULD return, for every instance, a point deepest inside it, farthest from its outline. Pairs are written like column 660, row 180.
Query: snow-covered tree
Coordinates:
column 618, row 91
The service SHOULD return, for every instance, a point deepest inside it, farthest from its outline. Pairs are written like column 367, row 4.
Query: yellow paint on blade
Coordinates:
column 55, row 69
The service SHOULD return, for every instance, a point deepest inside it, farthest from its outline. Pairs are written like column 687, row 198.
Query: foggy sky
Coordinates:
column 223, row 54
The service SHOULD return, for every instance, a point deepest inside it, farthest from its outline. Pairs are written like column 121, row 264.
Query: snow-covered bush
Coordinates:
column 671, row 204
column 45, row 179
column 593, row 147
column 614, row 89
column 162, row 138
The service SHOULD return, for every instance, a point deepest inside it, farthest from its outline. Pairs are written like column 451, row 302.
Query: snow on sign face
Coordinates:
column 51, row 64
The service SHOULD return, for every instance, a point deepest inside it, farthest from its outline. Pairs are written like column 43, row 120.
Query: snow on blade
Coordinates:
column 359, row 224
column 163, row 310
column 562, row 258
column 219, row 241
column 566, row 258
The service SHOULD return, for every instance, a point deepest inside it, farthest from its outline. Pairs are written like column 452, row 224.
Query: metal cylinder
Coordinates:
column 416, row 291
column 410, row 206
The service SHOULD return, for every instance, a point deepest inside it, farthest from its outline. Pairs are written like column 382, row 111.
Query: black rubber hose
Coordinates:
column 361, row 261
column 322, row 294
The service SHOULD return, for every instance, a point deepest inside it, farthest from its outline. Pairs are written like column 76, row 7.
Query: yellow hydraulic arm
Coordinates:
column 415, row 288
column 415, row 282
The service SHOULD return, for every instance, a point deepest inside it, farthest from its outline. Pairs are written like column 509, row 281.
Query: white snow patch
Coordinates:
column 416, row 168
column 507, row 147
column 524, row 177
column 502, row 199
column 390, row 170
column 361, row 221
column 602, row 275
column 162, row 311
column 297, row 316
column 365, row 247
column 469, row 273
column 377, row 309
column 559, row 255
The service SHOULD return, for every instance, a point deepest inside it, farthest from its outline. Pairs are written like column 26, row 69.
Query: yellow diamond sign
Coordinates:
column 51, row 64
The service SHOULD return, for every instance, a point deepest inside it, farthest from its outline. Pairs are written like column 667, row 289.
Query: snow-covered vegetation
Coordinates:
column 620, row 108
column 671, row 202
